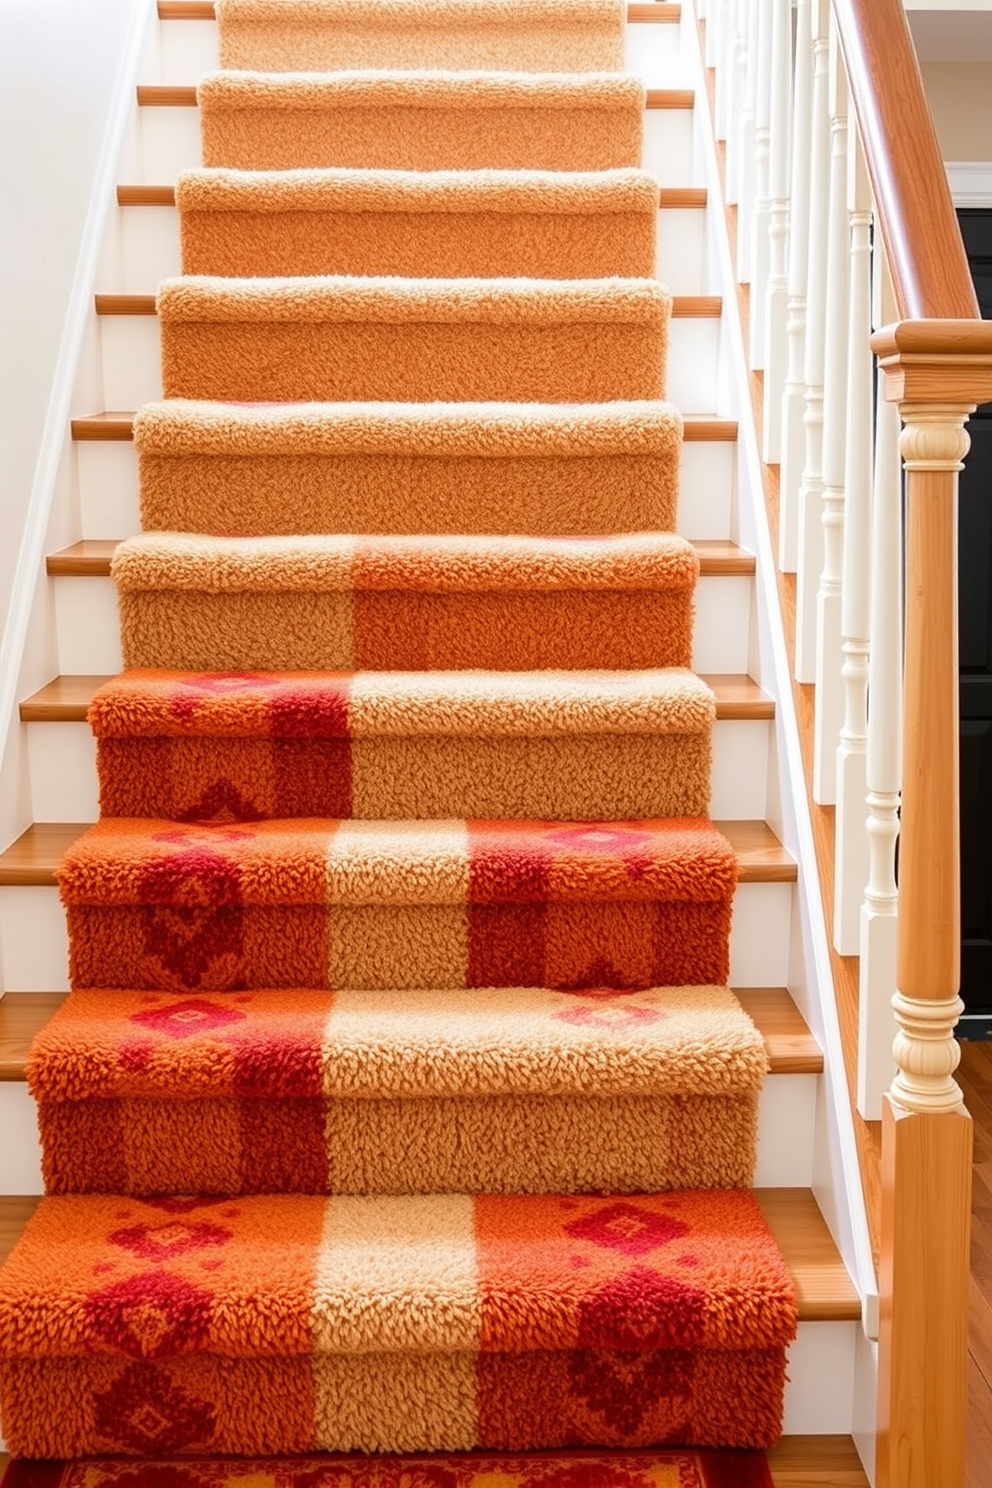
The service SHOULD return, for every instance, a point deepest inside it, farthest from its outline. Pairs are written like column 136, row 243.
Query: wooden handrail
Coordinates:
column 914, row 209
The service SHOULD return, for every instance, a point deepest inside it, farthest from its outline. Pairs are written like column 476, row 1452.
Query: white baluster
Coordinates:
column 810, row 531
column 757, row 247
column 736, row 64
column 794, row 395
column 879, row 912
column 851, row 857
column 723, row 43
column 777, row 294
column 829, row 713
column 747, row 164
column 715, row 13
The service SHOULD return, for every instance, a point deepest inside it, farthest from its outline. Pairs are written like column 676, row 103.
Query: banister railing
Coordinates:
column 847, row 237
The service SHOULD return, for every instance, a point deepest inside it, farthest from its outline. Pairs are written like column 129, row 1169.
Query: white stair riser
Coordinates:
column 150, row 240
column 108, row 488
column 35, row 956
column 131, row 358
column 86, row 612
column 189, row 48
column 63, row 770
column 786, row 1109
column 819, row 1393
column 170, row 143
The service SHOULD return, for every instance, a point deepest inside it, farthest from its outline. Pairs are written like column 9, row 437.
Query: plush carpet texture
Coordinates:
column 398, row 1091
column 340, row 603
column 479, row 468
column 368, row 905
column 421, row 120
column 495, row 224
column 214, row 746
column 400, row 1104
column 413, row 340
column 328, row 35
column 282, row 1324
column 578, row 1469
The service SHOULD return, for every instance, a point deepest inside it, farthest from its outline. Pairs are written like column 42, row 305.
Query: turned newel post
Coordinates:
column 936, row 371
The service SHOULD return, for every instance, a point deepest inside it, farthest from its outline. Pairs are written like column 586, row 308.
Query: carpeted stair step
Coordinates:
column 209, row 746
column 389, row 468
column 413, row 340
column 154, row 905
column 288, row 1323
column 450, row 224
column 339, row 603
column 397, row 1091
column 421, row 120
column 329, row 35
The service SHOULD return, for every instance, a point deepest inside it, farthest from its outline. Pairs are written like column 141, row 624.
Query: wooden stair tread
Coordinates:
column 66, row 699
column 90, row 558
column 203, row 10
column 791, row 1047
column 825, row 1291
column 31, row 860
column 183, row 95
column 684, row 307
column 698, row 428
column 165, row 196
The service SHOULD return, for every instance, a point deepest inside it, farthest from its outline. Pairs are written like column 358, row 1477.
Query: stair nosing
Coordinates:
column 31, row 860
column 669, row 197
column 684, row 307
column 118, row 427
column 836, row 1300
column 203, row 10
column 50, row 705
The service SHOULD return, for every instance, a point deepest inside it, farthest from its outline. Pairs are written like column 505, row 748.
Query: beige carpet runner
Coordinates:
column 400, row 1104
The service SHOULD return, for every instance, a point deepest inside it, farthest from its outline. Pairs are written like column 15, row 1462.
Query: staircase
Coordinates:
column 804, row 1170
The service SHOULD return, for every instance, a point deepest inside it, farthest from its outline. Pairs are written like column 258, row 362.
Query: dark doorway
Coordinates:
column 975, row 627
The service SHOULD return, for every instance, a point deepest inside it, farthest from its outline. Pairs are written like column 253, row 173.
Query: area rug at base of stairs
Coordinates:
column 327, row 35
column 455, row 224
column 421, row 120
column 363, row 904
column 376, row 1092
column 560, row 470
column 413, row 340
column 576, row 1469
column 403, row 603
column 276, row 1324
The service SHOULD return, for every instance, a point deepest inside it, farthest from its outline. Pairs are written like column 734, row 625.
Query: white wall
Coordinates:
column 59, row 66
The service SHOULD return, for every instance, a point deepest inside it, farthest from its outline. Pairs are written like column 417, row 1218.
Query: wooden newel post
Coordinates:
column 936, row 371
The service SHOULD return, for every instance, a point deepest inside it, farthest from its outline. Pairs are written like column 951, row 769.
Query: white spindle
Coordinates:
column 736, row 68
column 810, row 530
column 723, row 45
column 880, row 910
column 777, row 293
column 794, row 395
column 715, row 13
column 757, row 252
column 747, row 165
column 829, row 714
column 851, row 857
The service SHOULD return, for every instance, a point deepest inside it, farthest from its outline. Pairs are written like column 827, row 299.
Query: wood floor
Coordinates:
column 975, row 1078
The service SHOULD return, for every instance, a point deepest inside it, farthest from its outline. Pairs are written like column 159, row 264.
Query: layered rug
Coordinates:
column 646, row 1469
column 400, row 1104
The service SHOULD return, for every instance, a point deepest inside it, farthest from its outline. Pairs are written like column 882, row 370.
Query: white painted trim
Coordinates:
column 970, row 182
column 30, row 557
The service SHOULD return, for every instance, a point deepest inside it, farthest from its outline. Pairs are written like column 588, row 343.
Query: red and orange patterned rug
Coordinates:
column 675, row 1469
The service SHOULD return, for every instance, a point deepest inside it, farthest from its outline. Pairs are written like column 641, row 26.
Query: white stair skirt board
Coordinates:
column 63, row 770
column 785, row 1135
column 108, row 488
column 89, row 641
column 35, row 959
